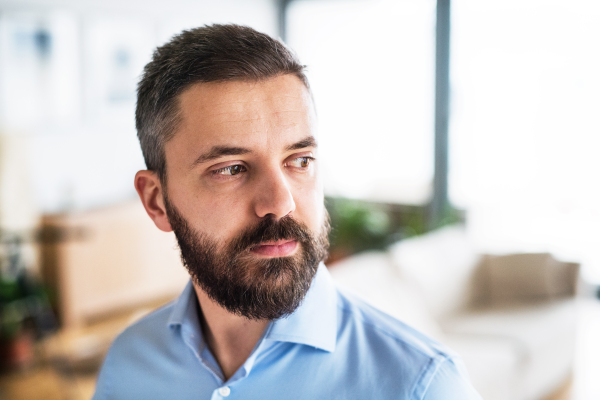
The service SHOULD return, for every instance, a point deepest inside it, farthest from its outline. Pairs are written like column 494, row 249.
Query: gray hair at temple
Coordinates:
column 212, row 53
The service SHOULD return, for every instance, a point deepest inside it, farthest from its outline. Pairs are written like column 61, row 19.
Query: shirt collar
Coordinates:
column 184, row 307
column 314, row 322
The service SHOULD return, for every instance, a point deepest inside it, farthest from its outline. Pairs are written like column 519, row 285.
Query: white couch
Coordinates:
column 510, row 317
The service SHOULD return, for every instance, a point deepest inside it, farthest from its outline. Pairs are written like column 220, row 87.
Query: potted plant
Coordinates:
column 25, row 314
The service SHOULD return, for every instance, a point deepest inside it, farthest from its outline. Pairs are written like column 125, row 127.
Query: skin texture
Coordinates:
column 266, row 125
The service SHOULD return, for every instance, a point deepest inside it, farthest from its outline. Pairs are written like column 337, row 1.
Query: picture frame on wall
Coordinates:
column 115, row 52
column 39, row 70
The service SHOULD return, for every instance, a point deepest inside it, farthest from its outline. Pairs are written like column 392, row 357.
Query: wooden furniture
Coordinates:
column 107, row 261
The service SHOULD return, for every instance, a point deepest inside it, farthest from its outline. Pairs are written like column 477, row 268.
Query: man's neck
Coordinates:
column 229, row 337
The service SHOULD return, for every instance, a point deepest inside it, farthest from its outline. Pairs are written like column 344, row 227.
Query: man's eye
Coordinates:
column 230, row 171
column 301, row 162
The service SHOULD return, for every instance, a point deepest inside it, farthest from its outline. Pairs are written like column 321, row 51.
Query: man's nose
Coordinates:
column 273, row 196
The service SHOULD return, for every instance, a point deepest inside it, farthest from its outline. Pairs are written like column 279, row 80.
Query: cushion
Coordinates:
column 441, row 263
column 526, row 276
column 544, row 333
column 372, row 277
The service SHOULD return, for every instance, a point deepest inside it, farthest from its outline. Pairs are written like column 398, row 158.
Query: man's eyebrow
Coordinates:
column 219, row 151
column 306, row 142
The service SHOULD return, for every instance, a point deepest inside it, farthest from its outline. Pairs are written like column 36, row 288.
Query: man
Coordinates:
column 228, row 131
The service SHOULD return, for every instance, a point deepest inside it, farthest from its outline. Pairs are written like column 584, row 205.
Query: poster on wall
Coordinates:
column 116, row 51
column 39, row 70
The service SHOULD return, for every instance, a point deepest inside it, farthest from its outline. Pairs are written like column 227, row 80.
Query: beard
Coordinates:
column 242, row 283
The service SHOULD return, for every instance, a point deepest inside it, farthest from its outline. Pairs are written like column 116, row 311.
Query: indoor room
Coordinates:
column 458, row 151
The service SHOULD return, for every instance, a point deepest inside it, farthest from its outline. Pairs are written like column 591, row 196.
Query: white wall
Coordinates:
column 525, row 133
column 371, row 66
column 83, row 151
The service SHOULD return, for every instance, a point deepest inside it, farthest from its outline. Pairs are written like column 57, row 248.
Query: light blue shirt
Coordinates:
column 334, row 346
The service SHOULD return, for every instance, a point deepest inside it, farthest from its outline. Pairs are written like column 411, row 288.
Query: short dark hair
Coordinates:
column 211, row 53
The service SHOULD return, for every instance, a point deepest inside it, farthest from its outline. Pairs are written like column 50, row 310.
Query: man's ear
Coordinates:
column 149, row 189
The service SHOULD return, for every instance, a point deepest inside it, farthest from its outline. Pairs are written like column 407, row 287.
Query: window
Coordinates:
column 525, row 132
column 371, row 65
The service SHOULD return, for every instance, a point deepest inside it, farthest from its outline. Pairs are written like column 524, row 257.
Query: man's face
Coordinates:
column 243, row 194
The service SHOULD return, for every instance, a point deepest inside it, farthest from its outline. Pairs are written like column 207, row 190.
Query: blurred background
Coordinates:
column 459, row 147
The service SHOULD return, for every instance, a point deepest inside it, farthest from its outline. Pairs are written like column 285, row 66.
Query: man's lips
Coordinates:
column 280, row 248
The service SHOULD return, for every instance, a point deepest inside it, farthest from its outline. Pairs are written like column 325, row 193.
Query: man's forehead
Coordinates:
column 283, row 93
column 273, row 112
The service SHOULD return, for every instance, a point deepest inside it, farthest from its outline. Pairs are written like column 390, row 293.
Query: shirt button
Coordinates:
column 224, row 391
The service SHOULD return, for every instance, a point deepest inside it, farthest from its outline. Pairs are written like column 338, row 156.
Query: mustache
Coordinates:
column 271, row 230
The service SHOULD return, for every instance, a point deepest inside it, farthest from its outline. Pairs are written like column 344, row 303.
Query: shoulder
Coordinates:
column 422, row 364
column 137, row 346
column 449, row 382
column 151, row 330
column 357, row 314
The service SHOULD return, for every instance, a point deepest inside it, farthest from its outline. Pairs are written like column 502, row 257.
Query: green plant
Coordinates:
column 359, row 225
column 23, row 300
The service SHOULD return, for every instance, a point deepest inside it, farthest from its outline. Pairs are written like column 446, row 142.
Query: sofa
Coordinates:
column 511, row 317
